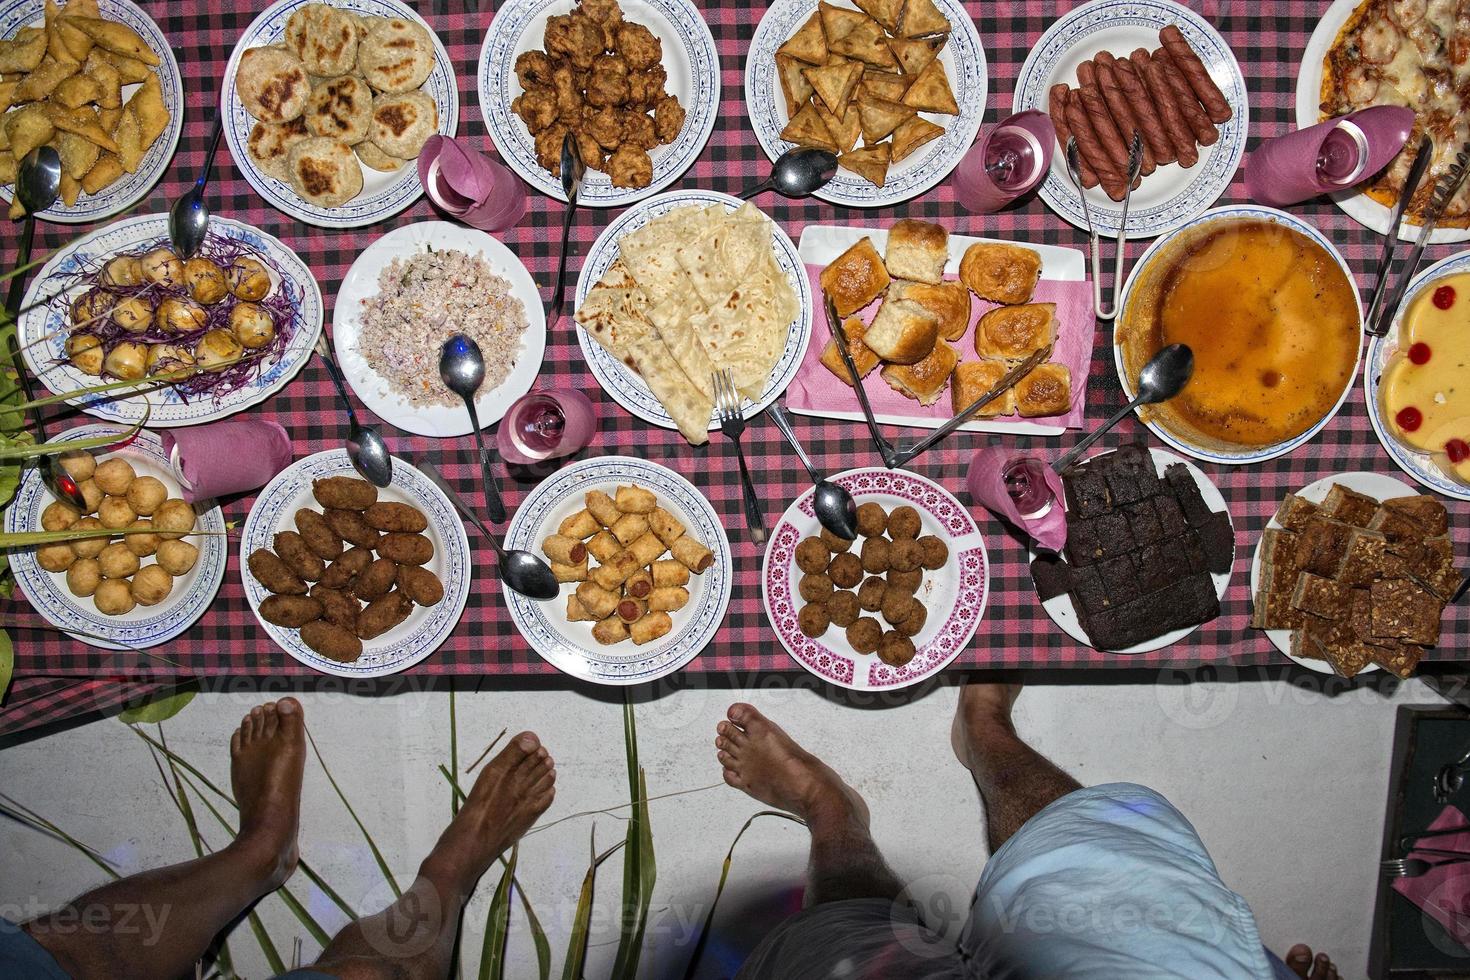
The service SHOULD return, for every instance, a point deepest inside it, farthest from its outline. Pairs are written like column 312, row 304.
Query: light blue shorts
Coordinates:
column 1106, row 882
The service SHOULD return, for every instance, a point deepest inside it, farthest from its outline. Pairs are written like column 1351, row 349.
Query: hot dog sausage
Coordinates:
column 1163, row 96
column 1195, row 74
column 1091, row 148
column 1123, row 113
column 1205, row 133
column 1057, row 109
column 1107, row 131
column 1148, row 116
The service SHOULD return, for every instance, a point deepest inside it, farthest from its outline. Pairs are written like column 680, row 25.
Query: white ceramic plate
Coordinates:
column 954, row 595
column 1420, row 466
column 130, row 188
column 1171, row 195
column 1064, row 613
column 1356, row 205
column 569, row 646
column 820, row 244
column 43, row 340
column 964, row 62
column 1236, row 212
column 620, row 381
column 361, row 284
column 426, row 627
column 145, row 626
column 383, row 194
column 1375, row 485
column 689, row 58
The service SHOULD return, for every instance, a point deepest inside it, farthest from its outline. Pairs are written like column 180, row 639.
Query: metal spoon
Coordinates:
column 834, row 506
column 572, row 169
column 37, row 184
column 521, row 571
column 188, row 219
column 366, row 449
column 1165, row 374
column 796, row 173
column 462, row 367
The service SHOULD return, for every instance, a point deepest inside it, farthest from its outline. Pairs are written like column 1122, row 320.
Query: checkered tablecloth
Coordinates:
column 1268, row 37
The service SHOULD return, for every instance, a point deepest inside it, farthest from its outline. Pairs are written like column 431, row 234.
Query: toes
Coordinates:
column 547, row 780
column 721, row 742
column 235, row 743
column 731, row 779
column 254, row 720
column 742, row 714
column 726, row 759
column 522, row 747
column 1299, row 959
column 1322, row 968
column 269, row 723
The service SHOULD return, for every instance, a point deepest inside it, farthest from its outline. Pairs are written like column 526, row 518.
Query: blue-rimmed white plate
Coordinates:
column 383, row 194
column 427, row 626
column 569, row 646
column 624, row 384
column 42, row 328
column 963, row 58
column 129, row 188
column 144, row 626
column 1171, row 195
column 689, row 58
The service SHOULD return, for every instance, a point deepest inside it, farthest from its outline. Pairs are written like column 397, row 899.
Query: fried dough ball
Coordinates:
column 904, row 555
column 145, row 494
column 176, row 557
column 217, row 350
column 905, row 581
column 548, row 147
column 870, row 594
column 59, row 515
column 537, row 108
column 933, row 553
column 903, row 523
column 86, row 354
column 133, row 314
column 895, row 649
column 152, row 585
column 813, row 620
column 606, row 127
column 577, row 38
column 206, row 281
column 646, row 88
column 79, row 464
column 639, row 46
column 179, row 315
column 114, row 476
column 141, row 545
column 88, row 547
column 116, row 561
column 55, row 557
column 630, row 166
column 898, row 606
column 846, row 570
column 588, row 149
column 162, row 266
column 668, row 119
column 122, row 270
column 812, row 556
column 252, row 325
column 864, row 635
column 173, row 519
column 608, row 83
column 815, row 588
column 871, row 519
column 249, row 279
column 914, row 622
column 116, row 512
column 876, row 555
column 114, row 597
column 533, row 69
column 91, row 494
column 126, row 361
column 843, row 608
column 83, row 577
column 638, row 131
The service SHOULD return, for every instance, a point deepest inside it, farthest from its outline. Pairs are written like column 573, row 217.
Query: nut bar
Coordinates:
column 1322, row 597
column 1428, row 513
column 1321, row 547
column 1349, row 506
column 1403, row 610
column 1294, row 512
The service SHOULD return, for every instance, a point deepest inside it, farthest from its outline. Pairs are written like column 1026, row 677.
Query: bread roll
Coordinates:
column 668, row 573
column 917, row 250
column 1014, row 333
column 903, row 332
column 650, row 627
column 1000, row 273
column 863, row 357
column 925, row 380
column 1045, row 390
column 973, row 379
column 855, row 278
column 949, row 301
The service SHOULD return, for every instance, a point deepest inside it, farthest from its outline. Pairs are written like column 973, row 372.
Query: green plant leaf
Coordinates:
column 372, row 844
column 453, row 756
column 25, row 815
column 65, row 446
column 32, row 539
column 497, row 923
column 7, row 663
column 576, row 959
column 639, row 869
column 158, row 709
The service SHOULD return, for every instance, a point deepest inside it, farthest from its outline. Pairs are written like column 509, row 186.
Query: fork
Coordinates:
column 1415, row 867
column 732, row 424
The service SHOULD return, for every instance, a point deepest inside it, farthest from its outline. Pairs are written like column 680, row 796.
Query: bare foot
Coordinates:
column 764, row 762
column 984, row 709
column 513, row 790
column 1299, row 959
column 267, row 753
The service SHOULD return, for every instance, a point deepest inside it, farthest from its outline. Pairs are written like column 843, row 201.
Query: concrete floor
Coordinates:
column 1284, row 778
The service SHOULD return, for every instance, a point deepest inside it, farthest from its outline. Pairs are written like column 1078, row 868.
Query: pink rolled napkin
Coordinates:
column 223, row 458
column 466, row 184
column 1443, row 894
column 1284, row 170
column 988, row 488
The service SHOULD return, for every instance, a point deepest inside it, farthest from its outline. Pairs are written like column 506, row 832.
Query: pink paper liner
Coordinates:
column 1444, row 894
column 228, row 457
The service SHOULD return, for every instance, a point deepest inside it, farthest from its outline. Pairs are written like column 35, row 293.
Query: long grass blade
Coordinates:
column 497, row 923
column 453, row 755
column 576, row 959
column 7, row 663
column 372, row 844
column 639, row 869
column 25, row 815
column 28, row 539
column 158, row 709
column 27, row 451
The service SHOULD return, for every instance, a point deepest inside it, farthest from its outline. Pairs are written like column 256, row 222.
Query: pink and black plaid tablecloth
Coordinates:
column 58, row 677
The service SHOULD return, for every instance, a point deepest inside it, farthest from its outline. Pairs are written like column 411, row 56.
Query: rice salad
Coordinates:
column 424, row 300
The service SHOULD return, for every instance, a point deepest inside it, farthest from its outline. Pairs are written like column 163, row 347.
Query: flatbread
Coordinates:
column 746, row 333
column 719, row 260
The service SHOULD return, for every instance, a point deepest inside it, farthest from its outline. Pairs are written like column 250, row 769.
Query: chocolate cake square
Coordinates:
column 1088, row 591
column 1428, row 513
column 1403, row 610
column 1083, row 546
column 1186, row 491
column 1171, row 516
column 1187, row 602
column 1155, row 564
column 1217, row 538
column 1119, row 579
column 1194, row 551
column 1052, row 575
column 1143, row 520
column 1349, row 506
column 1087, row 492
column 1294, row 512
column 1322, row 544
column 1114, row 535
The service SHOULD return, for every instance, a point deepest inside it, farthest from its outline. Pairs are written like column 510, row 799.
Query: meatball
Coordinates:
column 86, row 354
column 815, row 588
column 864, row 635
column 176, row 557
column 133, row 314
column 122, row 270
column 903, row 523
column 83, row 577
column 933, row 553
column 914, row 622
column 152, row 585
column 813, row 620
column 843, row 608
column 871, row 520
column 897, row 606
column 217, row 350
column 126, row 361
column 846, row 570
column 668, row 119
column 58, row 516
column 114, row 476
column 248, row 279
column 179, row 315
column 835, row 544
column 895, row 649
column 163, row 267
column 252, row 325
column 812, row 556
column 905, row 581
column 876, row 555
column 206, row 281
column 114, row 597
column 630, row 166
column 870, row 594
column 904, row 555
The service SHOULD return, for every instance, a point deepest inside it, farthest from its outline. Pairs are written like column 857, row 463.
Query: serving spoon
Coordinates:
column 462, row 367
column 188, row 219
column 572, row 169
column 834, row 506
column 521, row 571
column 1163, row 377
column 796, row 173
column 365, row 447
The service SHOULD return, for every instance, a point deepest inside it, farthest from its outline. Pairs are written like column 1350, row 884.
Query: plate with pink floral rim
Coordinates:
column 954, row 594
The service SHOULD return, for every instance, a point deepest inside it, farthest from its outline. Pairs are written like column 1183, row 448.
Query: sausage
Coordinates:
column 1162, row 96
column 1089, row 147
column 1113, row 142
column 1128, row 124
column 344, row 493
column 331, row 641
column 1194, row 72
column 390, row 515
column 273, row 573
column 1136, row 93
column 1205, row 133
column 1057, row 108
column 318, row 535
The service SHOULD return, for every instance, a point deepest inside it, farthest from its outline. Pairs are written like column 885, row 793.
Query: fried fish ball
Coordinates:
column 382, row 614
column 914, row 622
column 340, row 573
column 114, row 597
column 815, row 587
column 86, row 354
column 933, row 553
column 405, row 548
column 375, row 580
column 668, row 119
column 152, row 585
column 870, row 594
column 291, row 611
column 122, row 270
column 337, row 606
column 59, row 515
column 350, row 526
column 83, row 577
column 864, row 635
column 846, row 570
column 420, row 585
column 173, row 519
column 843, row 608
column 904, row 523
column 88, row 547
column 145, row 493
column 275, row 575
column 639, row 46
column 876, row 555
column 812, row 556
column 871, row 519
column 116, row 561
column 908, row 582
column 248, row 279
column 836, row 545
column 176, row 557
column 217, row 350
column 895, row 649
column 115, row 512
column 177, row 315
column 114, row 476
column 318, row 535
column 813, row 620
column 162, row 266
column 292, row 549
column 127, row 361
column 55, row 557
column 344, row 493
column 904, row 555
column 332, row 641
column 390, row 515
column 143, row 544
column 206, row 281
column 629, row 166
column 91, row 495
column 898, row 606
column 134, row 314
column 252, row 325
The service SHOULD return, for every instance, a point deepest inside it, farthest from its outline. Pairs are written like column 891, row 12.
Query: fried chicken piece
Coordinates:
column 605, row 126
column 589, row 149
column 608, row 85
column 637, row 44
column 575, row 37
column 646, row 88
column 630, row 167
column 569, row 103
column 534, row 69
column 638, row 131
column 548, row 147
column 537, row 108
column 668, row 119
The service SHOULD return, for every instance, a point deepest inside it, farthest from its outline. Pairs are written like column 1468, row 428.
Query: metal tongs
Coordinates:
column 892, row 457
column 1074, row 170
column 1385, row 301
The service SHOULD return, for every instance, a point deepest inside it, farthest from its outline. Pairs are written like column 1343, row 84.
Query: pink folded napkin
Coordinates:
column 817, row 390
column 1444, row 893
column 988, row 489
column 467, row 184
column 223, row 458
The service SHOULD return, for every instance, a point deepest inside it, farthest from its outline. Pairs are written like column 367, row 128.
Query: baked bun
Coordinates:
column 1000, row 273
column 402, row 124
column 903, row 332
column 324, row 171
column 917, row 250
column 341, row 108
column 862, row 357
column 269, row 144
column 924, row 381
column 949, row 301
column 1045, row 390
column 324, row 38
column 396, row 56
column 973, row 379
column 855, row 278
column 272, row 84
column 1014, row 333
